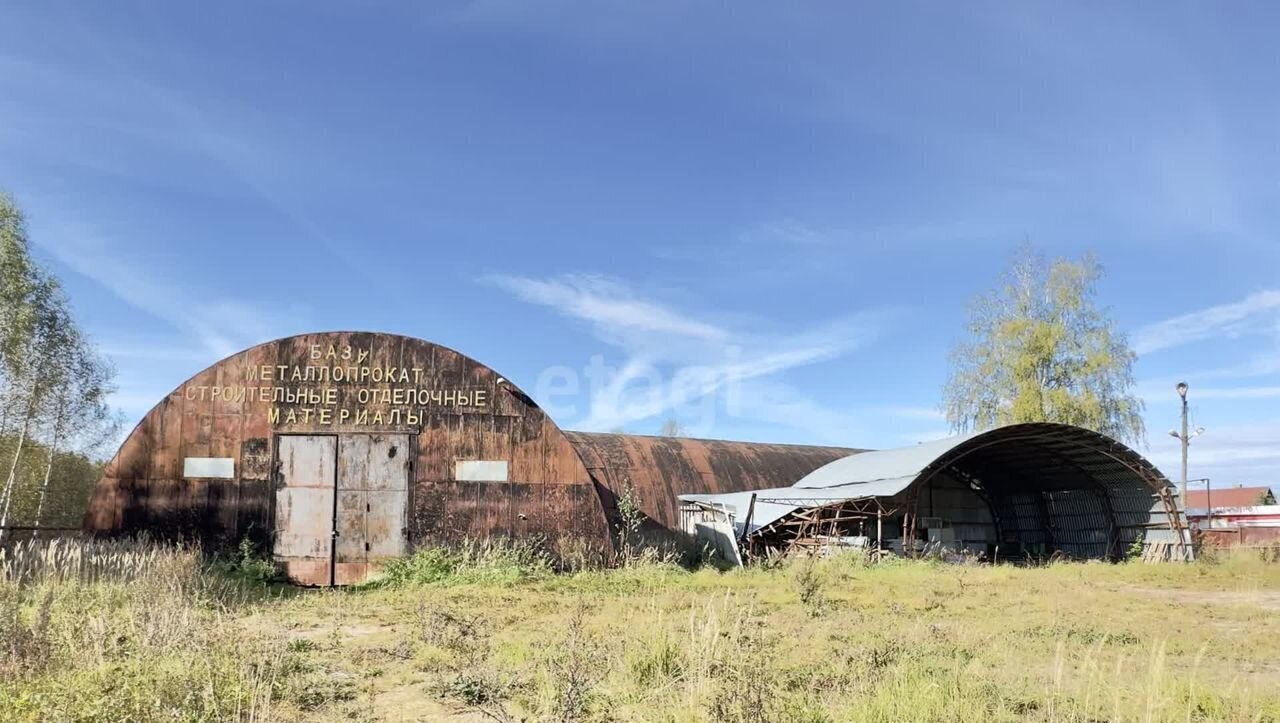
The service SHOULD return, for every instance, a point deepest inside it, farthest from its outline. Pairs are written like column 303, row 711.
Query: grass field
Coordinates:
column 128, row 632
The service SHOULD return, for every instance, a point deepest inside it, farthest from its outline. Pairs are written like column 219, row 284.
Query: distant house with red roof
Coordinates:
column 1229, row 497
column 1231, row 516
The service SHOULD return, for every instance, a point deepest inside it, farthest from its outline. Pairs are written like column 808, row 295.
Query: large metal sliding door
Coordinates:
column 373, row 495
column 341, row 505
column 304, row 507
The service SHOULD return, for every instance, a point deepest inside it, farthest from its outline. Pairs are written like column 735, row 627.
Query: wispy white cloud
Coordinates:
column 1163, row 390
column 164, row 350
column 1255, row 313
column 786, row 411
column 133, row 403
column 1263, row 364
column 606, row 303
column 791, row 232
column 204, row 327
column 676, row 363
column 1224, row 392
column 240, row 141
column 907, row 439
column 1259, row 392
column 924, row 414
column 641, row 390
column 1229, row 454
column 219, row 325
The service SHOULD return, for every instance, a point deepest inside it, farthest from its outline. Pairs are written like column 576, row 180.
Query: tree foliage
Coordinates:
column 53, row 387
column 1038, row 349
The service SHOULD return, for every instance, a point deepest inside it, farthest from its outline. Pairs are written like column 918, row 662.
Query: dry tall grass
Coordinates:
column 98, row 631
column 105, row 632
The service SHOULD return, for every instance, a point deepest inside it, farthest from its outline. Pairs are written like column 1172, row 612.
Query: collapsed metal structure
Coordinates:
column 1021, row 491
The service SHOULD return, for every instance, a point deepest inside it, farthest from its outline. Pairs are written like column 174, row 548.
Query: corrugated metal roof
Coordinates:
column 887, row 464
column 886, row 473
column 774, row 504
column 881, row 473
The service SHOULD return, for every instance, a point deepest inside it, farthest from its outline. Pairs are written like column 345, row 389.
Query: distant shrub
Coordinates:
column 248, row 566
column 573, row 553
column 577, row 665
column 1136, row 548
column 630, row 519
column 808, row 583
column 653, row 574
column 1208, row 555
column 747, row 688
column 471, row 677
column 318, row 690
column 488, row 562
column 656, row 662
column 1270, row 553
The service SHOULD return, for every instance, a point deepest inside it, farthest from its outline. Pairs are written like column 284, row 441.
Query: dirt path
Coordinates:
column 1265, row 599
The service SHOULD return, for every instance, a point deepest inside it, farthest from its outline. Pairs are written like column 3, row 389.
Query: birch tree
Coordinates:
column 26, row 320
column 1038, row 349
column 52, row 381
column 78, row 414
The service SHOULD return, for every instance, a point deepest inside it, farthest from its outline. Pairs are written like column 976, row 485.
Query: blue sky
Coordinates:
column 762, row 221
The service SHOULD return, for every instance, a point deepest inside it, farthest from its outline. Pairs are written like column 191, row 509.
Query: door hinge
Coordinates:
column 366, row 507
column 366, row 547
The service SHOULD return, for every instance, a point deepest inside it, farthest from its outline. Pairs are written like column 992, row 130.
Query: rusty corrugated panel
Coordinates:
column 661, row 468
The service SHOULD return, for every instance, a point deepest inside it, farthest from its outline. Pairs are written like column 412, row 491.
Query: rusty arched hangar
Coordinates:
column 337, row 451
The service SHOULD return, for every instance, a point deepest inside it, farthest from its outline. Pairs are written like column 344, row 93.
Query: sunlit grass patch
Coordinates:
column 496, row 562
column 497, row 632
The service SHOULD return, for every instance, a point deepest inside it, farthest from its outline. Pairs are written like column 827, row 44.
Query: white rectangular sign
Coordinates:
column 479, row 470
column 209, row 467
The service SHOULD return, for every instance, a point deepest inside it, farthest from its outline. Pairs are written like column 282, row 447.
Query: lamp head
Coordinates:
column 1182, row 389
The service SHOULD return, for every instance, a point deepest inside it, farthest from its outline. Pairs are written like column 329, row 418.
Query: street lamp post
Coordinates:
column 1182, row 392
column 1185, row 439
